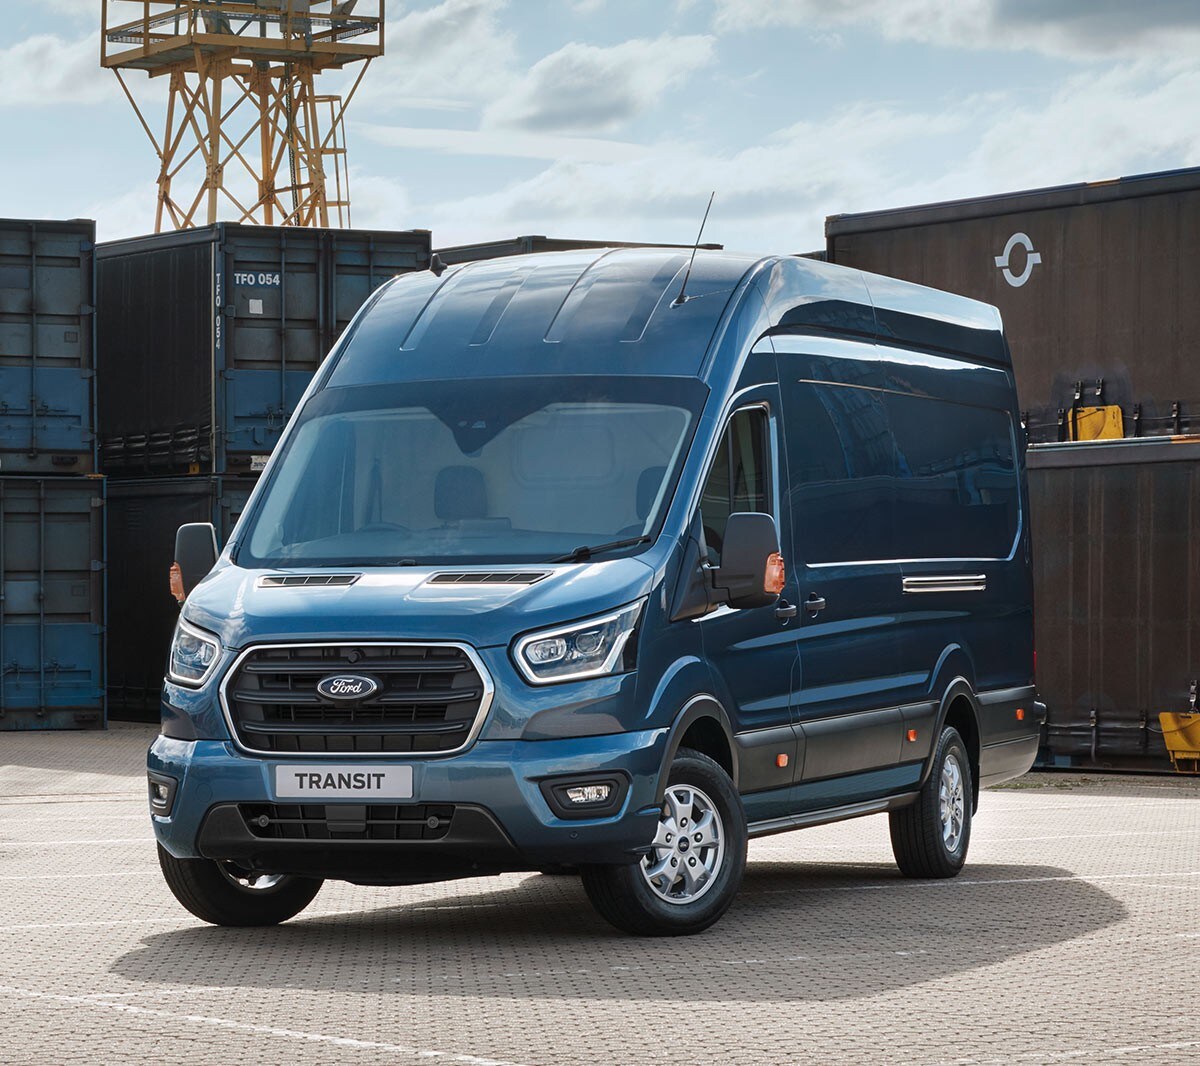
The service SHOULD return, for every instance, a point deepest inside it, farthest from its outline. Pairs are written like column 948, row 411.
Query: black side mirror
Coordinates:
column 746, row 556
column 195, row 555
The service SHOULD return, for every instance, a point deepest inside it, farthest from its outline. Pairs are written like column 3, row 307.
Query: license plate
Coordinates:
column 344, row 782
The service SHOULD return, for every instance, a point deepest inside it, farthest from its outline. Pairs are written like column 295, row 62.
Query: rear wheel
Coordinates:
column 694, row 867
column 224, row 893
column 930, row 838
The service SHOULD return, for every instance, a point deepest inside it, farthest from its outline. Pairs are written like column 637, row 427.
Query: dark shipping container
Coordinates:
column 52, row 609
column 47, row 340
column 208, row 337
column 1096, row 283
column 1117, row 591
column 143, row 516
column 528, row 245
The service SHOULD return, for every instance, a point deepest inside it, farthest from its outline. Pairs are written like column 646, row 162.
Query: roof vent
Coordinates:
column 281, row 581
column 488, row 577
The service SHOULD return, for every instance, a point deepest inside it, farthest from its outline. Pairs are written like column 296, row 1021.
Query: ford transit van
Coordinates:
column 572, row 560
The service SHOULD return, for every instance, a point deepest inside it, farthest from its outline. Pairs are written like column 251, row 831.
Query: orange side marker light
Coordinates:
column 1020, row 714
column 912, row 735
column 781, row 761
column 774, row 578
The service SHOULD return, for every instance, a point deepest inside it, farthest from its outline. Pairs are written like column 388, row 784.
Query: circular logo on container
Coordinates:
column 1032, row 258
column 347, row 687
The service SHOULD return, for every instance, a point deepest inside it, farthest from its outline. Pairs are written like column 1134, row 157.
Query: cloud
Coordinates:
column 775, row 195
column 45, row 69
column 1078, row 29
column 453, row 54
column 585, row 87
column 501, row 143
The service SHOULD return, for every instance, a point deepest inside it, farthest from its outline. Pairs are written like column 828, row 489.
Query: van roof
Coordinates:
column 616, row 311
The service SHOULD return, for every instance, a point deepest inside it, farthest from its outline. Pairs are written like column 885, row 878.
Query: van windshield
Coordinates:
column 473, row 471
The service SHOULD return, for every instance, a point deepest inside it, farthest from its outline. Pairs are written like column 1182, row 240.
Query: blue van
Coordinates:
column 575, row 561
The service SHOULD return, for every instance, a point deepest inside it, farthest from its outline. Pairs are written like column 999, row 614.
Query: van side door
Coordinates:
column 752, row 653
column 842, row 462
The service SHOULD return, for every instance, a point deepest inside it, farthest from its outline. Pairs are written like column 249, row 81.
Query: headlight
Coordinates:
column 194, row 653
column 590, row 648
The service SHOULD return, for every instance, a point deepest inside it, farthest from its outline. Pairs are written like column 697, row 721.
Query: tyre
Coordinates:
column 694, row 867
column 224, row 894
column 930, row 838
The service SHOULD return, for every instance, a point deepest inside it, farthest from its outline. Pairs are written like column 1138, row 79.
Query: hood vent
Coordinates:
column 488, row 577
column 287, row 581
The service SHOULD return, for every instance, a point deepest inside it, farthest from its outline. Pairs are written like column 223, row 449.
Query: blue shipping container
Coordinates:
column 47, row 337
column 52, row 612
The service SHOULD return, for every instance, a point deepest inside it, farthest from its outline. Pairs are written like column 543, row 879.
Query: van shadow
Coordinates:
column 798, row 931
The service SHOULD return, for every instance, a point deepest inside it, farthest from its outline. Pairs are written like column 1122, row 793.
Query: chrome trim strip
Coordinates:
column 945, row 583
column 485, row 703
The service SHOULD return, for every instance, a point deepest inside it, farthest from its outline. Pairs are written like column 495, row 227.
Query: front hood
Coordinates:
column 401, row 603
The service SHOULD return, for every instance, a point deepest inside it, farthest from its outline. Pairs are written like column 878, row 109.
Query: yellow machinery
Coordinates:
column 1096, row 423
column 1181, row 734
column 245, row 127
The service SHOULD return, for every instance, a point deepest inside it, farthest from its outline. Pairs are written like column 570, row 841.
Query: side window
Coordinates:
column 956, row 485
column 842, row 466
column 879, row 475
column 739, row 479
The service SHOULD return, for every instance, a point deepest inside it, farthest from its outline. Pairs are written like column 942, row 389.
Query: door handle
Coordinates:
column 814, row 603
column 786, row 611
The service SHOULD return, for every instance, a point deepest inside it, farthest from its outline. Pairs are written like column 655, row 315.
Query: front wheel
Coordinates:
column 694, row 867
column 223, row 893
column 930, row 837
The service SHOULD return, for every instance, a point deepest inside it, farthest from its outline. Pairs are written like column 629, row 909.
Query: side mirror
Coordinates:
column 195, row 555
column 751, row 571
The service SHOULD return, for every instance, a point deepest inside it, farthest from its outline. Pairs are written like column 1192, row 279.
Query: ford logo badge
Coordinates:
column 347, row 687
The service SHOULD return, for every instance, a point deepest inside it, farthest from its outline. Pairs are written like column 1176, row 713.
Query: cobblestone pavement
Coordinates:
column 1072, row 936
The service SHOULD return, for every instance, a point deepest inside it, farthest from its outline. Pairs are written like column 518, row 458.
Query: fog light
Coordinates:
column 589, row 793
column 595, row 795
column 161, row 792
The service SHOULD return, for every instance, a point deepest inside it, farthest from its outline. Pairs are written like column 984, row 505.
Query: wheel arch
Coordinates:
column 704, row 726
column 959, row 708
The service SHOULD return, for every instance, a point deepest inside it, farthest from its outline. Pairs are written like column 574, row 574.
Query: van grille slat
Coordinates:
column 376, row 821
column 279, row 581
column 429, row 698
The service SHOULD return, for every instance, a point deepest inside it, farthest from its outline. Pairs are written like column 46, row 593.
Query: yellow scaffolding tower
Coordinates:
column 244, row 123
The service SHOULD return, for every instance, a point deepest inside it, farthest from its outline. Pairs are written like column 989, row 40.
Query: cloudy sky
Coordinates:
column 613, row 119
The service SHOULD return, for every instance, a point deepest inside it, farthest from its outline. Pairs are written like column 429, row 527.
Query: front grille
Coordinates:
column 347, row 821
column 428, row 698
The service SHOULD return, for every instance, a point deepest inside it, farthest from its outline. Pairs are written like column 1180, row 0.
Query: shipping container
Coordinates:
column 528, row 245
column 1096, row 283
column 1117, row 592
column 143, row 516
column 47, row 341
column 52, row 608
column 208, row 337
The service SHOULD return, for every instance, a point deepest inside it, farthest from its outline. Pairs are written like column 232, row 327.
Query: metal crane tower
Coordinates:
column 244, row 125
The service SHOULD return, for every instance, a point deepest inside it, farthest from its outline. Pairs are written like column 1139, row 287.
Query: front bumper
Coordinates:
column 501, row 819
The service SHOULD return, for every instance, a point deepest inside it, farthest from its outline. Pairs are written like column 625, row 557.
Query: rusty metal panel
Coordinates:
column 1099, row 285
column 1117, row 594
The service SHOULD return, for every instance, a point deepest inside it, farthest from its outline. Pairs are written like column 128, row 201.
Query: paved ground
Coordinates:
column 1072, row 936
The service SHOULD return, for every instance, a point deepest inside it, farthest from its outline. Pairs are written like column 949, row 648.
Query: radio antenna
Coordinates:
column 682, row 297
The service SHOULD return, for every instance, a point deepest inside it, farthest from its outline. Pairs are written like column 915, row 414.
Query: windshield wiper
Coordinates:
column 586, row 551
